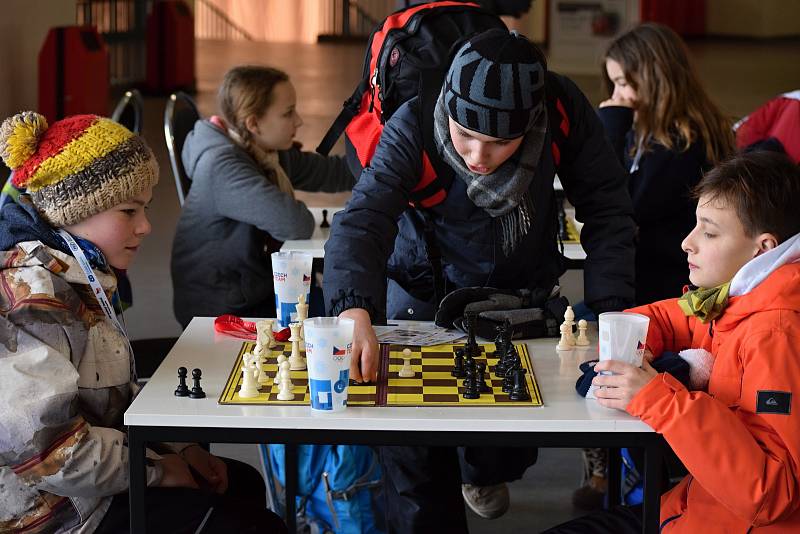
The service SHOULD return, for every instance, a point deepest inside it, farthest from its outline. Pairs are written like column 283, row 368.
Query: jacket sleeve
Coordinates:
column 756, row 126
column 595, row 183
column 748, row 461
column 243, row 193
column 43, row 438
column 617, row 122
column 310, row 171
column 362, row 236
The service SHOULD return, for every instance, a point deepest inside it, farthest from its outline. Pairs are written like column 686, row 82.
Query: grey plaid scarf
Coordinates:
column 504, row 193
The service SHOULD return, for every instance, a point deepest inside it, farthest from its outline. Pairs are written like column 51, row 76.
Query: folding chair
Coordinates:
column 179, row 118
column 130, row 111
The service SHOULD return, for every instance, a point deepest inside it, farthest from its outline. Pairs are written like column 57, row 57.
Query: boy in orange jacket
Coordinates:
column 739, row 438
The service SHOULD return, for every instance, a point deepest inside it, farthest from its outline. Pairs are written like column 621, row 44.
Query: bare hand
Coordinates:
column 176, row 473
column 211, row 468
column 617, row 390
column 620, row 102
column 364, row 362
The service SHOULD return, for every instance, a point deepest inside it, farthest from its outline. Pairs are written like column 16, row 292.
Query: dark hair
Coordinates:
column 246, row 91
column 764, row 189
column 672, row 107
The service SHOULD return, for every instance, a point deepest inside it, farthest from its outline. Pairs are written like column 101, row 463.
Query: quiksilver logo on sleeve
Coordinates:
column 775, row 402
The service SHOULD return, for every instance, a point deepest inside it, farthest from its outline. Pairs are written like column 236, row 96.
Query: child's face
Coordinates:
column 482, row 154
column 623, row 90
column 718, row 247
column 118, row 231
column 276, row 128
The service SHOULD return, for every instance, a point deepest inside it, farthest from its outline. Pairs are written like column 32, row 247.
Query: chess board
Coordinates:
column 433, row 384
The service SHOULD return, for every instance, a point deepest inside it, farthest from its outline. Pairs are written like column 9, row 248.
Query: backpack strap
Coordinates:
column 434, row 257
column 350, row 109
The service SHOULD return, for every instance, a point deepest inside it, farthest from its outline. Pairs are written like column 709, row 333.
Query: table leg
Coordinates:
column 137, row 477
column 614, row 486
column 653, row 466
column 290, row 485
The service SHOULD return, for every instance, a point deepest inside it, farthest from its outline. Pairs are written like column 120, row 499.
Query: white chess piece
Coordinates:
column 582, row 341
column 261, row 359
column 302, row 315
column 565, row 343
column 296, row 361
column 406, row 371
column 569, row 320
column 249, row 387
column 268, row 325
column 285, row 392
column 281, row 359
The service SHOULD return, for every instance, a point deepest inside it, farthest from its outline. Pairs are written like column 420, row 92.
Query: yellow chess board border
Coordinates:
column 230, row 396
column 572, row 232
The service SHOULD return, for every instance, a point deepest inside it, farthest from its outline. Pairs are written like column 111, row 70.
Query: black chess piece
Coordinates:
column 483, row 387
column 324, row 223
column 471, row 348
column 458, row 367
column 469, row 368
column 182, row 390
column 563, row 232
column 197, row 392
column 508, row 379
column 470, row 385
column 519, row 392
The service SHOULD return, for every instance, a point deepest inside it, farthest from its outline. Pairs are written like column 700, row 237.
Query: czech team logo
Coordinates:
column 279, row 277
column 338, row 354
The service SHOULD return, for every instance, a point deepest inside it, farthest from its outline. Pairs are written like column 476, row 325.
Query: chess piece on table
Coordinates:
column 582, row 341
column 519, row 391
column 265, row 339
column 296, row 360
column 281, row 359
column 250, row 371
column 285, row 392
column 565, row 343
column 182, row 390
column 470, row 384
column 483, row 386
column 471, row 348
column 458, row 367
column 197, row 392
column 569, row 320
column 406, row 371
column 302, row 315
column 324, row 223
column 470, row 370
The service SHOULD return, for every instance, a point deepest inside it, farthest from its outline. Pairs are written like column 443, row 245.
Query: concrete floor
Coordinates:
column 740, row 75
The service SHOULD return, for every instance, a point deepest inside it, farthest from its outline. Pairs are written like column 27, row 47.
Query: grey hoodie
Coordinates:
column 233, row 217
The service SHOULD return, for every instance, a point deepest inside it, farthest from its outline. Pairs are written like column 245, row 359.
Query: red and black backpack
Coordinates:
column 408, row 55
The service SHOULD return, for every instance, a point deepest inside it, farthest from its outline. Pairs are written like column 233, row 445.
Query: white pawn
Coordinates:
column 281, row 359
column 302, row 315
column 285, row 392
column 566, row 341
column 296, row 361
column 582, row 340
column 406, row 371
column 261, row 359
column 249, row 387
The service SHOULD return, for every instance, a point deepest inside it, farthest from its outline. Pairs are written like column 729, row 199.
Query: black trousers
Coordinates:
column 618, row 520
column 241, row 509
column 422, row 485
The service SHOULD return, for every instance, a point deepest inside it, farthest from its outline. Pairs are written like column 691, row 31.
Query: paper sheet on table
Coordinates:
column 413, row 335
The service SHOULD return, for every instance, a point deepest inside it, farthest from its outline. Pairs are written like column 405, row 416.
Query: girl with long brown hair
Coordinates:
column 666, row 131
column 245, row 166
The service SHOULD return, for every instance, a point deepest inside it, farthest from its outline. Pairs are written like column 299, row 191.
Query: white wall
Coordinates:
column 23, row 27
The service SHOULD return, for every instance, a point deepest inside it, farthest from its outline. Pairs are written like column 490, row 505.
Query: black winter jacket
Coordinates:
column 379, row 237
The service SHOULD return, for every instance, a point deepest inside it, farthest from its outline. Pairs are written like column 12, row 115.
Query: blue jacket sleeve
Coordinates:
column 597, row 185
column 362, row 236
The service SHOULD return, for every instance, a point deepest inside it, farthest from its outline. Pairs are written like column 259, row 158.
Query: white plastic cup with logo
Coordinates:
column 329, row 348
column 623, row 336
column 291, row 274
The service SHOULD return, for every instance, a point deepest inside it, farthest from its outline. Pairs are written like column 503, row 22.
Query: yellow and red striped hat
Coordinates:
column 77, row 167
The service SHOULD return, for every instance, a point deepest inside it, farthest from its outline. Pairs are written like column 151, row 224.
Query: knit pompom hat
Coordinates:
column 77, row 167
column 495, row 84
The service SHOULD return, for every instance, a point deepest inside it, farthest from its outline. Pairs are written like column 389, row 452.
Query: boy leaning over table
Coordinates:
column 739, row 439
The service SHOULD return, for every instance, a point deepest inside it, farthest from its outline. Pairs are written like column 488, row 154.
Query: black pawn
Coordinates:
column 458, row 367
column 324, row 223
column 520, row 390
column 470, row 385
column 197, row 392
column 182, row 390
column 469, row 367
column 483, row 387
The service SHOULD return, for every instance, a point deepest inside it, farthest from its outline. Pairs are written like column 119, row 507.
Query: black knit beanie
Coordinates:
column 495, row 85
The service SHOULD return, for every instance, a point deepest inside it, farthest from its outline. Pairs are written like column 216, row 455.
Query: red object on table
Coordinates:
column 234, row 326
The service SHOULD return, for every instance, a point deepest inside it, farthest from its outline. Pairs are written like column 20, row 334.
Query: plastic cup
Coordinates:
column 329, row 348
column 291, row 272
column 623, row 336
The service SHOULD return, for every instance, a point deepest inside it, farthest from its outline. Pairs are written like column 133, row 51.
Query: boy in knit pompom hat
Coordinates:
column 66, row 369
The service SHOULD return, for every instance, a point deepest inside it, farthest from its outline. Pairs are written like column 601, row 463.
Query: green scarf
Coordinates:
column 705, row 303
